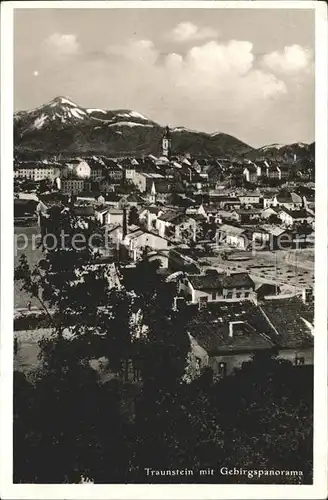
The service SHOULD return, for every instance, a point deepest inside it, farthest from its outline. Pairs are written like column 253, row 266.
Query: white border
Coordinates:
column 316, row 491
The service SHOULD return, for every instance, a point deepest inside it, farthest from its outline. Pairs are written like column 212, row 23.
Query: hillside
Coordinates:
column 61, row 126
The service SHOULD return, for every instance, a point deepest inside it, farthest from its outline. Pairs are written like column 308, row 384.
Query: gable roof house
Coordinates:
column 288, row 200
column 231, row 333
column 137, row 240
column 215, row 287
column 291, row 217
column 271, row 237
column 251, row 173
column 167, row 220
column 234, row 236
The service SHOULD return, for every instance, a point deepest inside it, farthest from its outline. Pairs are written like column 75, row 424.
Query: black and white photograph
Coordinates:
column 165, row 224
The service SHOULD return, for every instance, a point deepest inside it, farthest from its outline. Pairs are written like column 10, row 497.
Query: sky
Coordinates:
column 248, row 73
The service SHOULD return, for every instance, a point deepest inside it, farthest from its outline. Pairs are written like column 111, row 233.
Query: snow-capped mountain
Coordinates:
column 298, row 149
column 63, row 126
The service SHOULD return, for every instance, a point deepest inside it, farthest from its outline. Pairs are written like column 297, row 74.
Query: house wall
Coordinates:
column 96, row 173
column 225, row 295
column 236, row 241
column 37, row 174
column 249, row 199
column 161, row 226
column 235, row 361
column 129, row 174
column 290, row 354
column 82, row 169
column 268, row 202
column 231, row 361
column 237, row 293
column 140, row 181
column 114, row 218
column 72, row 186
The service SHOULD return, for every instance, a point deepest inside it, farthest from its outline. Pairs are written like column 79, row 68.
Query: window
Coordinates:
column 238, row 294
column 213, row 295
column 222, row 369
column 203, row 302
column 229, row 295
column 299, row 360
column 247, row 294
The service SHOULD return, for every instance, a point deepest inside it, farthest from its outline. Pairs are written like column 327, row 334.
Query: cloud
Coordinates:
column 291, row 59
column 235, row 56
column 211, row 86
column 62, row 44
column 139, row 51
column 185, row 32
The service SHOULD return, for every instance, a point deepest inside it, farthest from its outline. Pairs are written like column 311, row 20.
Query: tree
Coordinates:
column 133, row 216
column 274, row 219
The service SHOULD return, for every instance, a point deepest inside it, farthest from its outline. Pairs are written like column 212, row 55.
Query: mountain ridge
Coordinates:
column 61, row 126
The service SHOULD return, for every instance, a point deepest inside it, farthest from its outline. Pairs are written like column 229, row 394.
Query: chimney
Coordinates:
column 124, row 224
column 304, row 202
column 231, row 323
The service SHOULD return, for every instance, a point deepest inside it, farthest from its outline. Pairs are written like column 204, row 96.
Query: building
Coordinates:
column 100, row 214
column 231, row 333
column 291, row 321
column 37, row 171
column 129, row 174
column 185, row 230
column 247, row 216
column 114, row 216
column 166, row 222
column 131, row 200
column 250, row 198
column 96, row 168
column 74, row 185
column 290, row 201
column 215, row 287
column 292, row 217
column 271, row 237
column 77, row 169
column 166, row 143
column 113, row 171
column 145, row 180
column 233, row 236
column 250, row 173
column 273, row 172
column 137, row 240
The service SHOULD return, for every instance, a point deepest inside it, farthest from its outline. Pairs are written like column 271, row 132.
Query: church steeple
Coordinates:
column 166, row 143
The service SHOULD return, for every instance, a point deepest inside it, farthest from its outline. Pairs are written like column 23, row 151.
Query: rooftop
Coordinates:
column 210, row 327
column 286, row 317
column 214, row 280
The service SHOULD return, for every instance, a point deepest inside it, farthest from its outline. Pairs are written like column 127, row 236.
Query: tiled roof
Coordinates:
column 226, row 228
column 214, row 280
column 273, row 230
column 286, row 317
column 170, row 216
column 210, row 327
column 297, row 214
column 210, row 281
column 237, row 280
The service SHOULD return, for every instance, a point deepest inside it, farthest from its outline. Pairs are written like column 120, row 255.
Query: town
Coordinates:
column 164, row 327
column 236, row 237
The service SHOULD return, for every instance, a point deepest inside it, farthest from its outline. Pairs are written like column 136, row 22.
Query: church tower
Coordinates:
column 152, row 196
column 166, row 143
